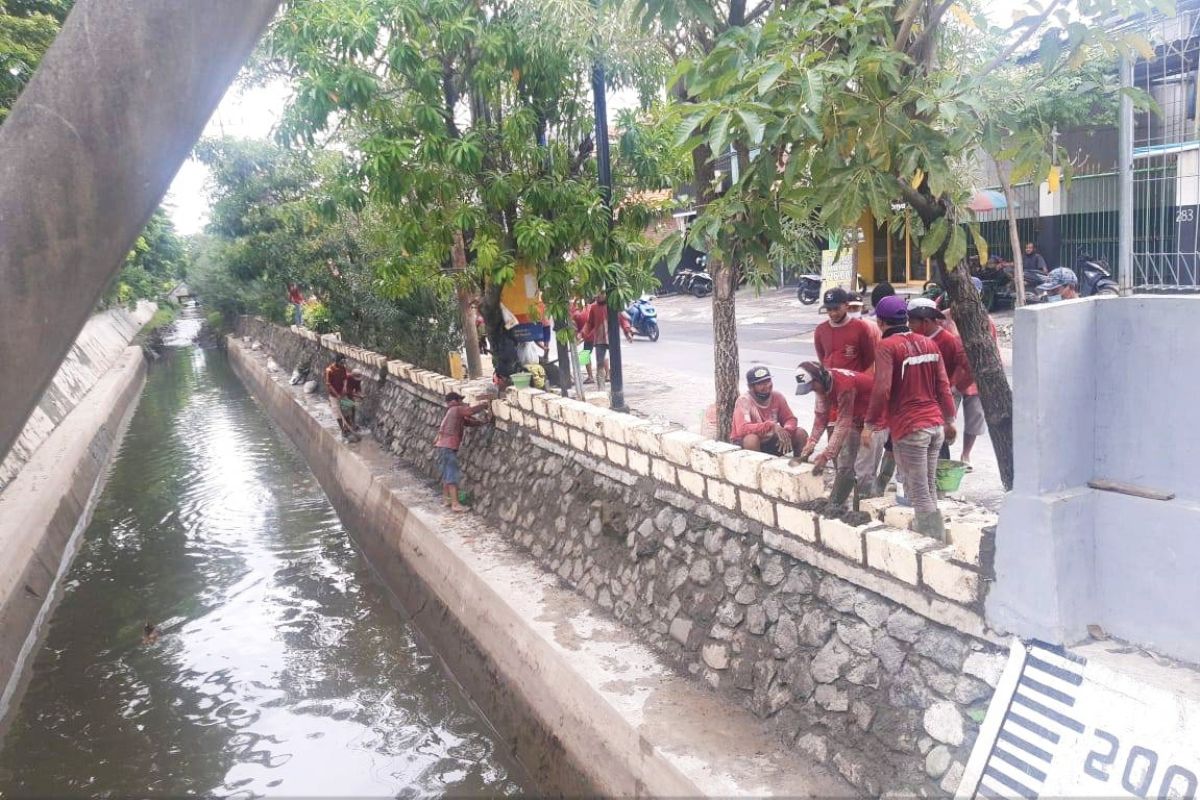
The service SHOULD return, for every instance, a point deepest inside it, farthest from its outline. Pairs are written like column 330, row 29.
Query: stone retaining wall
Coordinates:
column 864, row 645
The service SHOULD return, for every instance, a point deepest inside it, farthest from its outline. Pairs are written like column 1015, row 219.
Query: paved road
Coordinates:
column 672, row 379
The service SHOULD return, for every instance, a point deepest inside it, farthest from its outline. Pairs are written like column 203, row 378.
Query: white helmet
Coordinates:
column 809, row 375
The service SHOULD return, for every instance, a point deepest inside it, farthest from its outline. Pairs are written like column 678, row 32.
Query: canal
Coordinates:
column 277, row 665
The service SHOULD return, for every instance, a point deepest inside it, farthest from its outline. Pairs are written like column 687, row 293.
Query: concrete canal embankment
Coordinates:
column 50, row 477
column 643, row 611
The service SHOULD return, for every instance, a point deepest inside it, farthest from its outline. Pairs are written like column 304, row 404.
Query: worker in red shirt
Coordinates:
column 296, row 298
column 842, row 341
column 595, row 329
column 926, row 319
column 850, row 393
column 459, row 416
column 336, row 376
column 762, row 419
column 579, row 317
column 911, row 395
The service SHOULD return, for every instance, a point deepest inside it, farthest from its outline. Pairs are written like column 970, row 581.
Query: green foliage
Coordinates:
column 155, row 265
column 27, row 29
column 317, row 317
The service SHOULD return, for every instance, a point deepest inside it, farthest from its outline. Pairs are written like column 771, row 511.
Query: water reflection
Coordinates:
column 280, row 667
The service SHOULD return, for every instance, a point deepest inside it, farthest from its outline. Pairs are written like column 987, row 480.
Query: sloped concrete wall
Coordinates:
column 863, row 645
column 98, row 346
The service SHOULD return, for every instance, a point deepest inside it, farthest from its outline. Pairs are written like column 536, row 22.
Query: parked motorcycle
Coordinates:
column 1094, row 277
column 809, row 290
column 643, row 318
column 701, row 284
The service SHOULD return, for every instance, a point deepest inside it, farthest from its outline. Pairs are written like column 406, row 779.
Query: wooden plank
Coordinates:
column 1105, row 485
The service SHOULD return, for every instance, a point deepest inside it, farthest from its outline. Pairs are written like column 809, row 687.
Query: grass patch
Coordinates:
column 165, row 315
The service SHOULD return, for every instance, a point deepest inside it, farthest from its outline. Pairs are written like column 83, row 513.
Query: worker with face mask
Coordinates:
column 762, row 419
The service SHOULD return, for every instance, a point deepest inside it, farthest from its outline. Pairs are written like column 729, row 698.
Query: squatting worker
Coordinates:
column 911, row 395
column 762, row 419
column 850, row 393
column 335, row 383
column 459, row 416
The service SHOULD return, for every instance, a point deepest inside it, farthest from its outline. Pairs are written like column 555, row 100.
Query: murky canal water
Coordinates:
column 281, row 668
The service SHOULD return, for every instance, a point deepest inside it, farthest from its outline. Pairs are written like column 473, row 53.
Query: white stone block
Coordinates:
column 573, row 411
column 639, row 462
column 757, row 507
column 899, row 517
column 897, row 552
column 615, row 426
column 798, row 522
column 663, row 471
column 525, row 398
column 545, row 427
column 541, row 404
column 592, row 419
column 706, row 456
column 501, row 410
column 966, row 535
column 792, row 483
column 843, row 539
column 562, row 433
column 578, row 439
column 723, row 494
column 677, row 446
column 596, row 446
column 877, row 506
column 941, row 574
column 501, row 425
column 692, row 482
column 742, row 467
column 556, row 408
column 647, row 439
column 617, row 454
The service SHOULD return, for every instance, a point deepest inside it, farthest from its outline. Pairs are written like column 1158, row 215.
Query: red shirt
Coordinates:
column 847, row 346
column 968, row 377
column 954, row 358
column 295, row 296
column 335, row 379
column 580, row 319
column 595, row 328
column 458, row 417
column 749, row 417
column 850, row 395
column 911, row 390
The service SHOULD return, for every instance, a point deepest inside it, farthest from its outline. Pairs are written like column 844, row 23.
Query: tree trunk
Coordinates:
column 725, row 347
column 1014, row 236
column 470, row 335
column 984, row 357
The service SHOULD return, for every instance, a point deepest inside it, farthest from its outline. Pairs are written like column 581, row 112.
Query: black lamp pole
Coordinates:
column 616, row 386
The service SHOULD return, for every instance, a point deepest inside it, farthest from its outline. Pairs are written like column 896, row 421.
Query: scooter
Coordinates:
column 701, row 284
column 1094, row 277
column 809, row 290
column 643, row 318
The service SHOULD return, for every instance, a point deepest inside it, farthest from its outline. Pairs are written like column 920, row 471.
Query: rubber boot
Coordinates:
column 887, row 468
column 843, row 484
column 866, row 488
column 931, row 524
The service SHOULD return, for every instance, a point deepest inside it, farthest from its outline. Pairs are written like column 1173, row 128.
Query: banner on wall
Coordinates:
column 1061, row 725
column 837, row 266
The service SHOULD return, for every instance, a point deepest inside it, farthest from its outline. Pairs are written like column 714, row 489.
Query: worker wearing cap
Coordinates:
column 850, row 393
column 1061, row 283
column 925, row 318
column 911, row 395
column 762, row 419
column 966, row 392
column 841, row 341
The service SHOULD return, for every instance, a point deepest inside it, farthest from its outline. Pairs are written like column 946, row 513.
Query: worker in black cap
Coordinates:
column 762, row 419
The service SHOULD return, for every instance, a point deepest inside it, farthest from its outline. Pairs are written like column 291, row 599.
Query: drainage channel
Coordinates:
column 276, row 664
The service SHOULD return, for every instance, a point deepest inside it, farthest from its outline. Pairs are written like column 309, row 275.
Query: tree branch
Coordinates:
column 1012, row 48
column 926, row 208
column 930, row 28
column 758, row 11
column 910, row 17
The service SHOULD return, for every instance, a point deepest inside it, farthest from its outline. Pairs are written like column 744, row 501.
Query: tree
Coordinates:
column 27, row 29
column 470, row 122
column 157, row 262
column 692, row 30
column 860, row 105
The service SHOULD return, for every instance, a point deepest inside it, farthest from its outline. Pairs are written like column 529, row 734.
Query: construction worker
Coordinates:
column 763, row 420
column 850, row 393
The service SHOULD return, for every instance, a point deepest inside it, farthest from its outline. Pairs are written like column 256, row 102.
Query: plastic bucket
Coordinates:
column 950, row 475
column 521, row 380
column 585, row 357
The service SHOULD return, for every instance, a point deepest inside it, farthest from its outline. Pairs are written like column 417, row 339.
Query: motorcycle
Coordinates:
column 701, row 284
column 643, row 318
column 1094, row 277
column 809, row 290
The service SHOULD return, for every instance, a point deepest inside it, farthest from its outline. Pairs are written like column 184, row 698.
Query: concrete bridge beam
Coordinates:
column 86, row 156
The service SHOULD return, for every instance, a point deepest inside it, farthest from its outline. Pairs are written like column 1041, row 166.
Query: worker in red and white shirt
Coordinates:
column 850, row 393
column 925, row 318
column 763, row 420
column 911, row 395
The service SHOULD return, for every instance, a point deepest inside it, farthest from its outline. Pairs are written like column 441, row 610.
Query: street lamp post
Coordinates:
column 616, row 386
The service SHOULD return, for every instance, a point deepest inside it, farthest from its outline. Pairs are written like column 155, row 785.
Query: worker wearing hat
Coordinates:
column 762, row 419
column 1061, row 283
column 911, row 395
column 850, row 393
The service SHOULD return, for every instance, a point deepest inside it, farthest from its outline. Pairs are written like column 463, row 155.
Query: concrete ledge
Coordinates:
column 49, row 503
column 585, row 706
